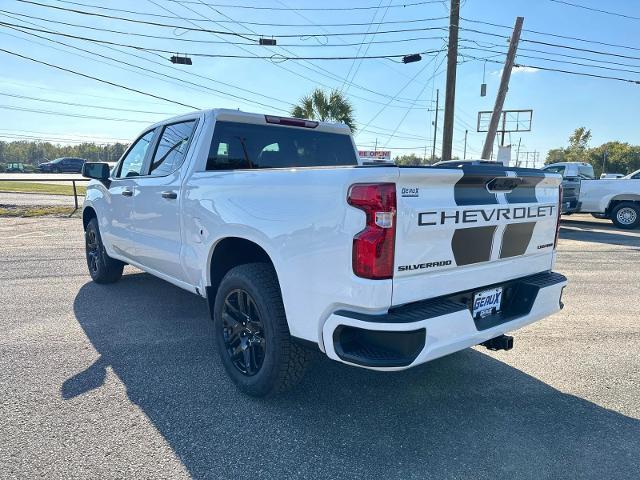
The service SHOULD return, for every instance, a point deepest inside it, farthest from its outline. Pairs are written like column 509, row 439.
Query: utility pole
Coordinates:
column 450, row 94
column 502, row 91
column 518, row 153
column 435, row 129
column 464, row 155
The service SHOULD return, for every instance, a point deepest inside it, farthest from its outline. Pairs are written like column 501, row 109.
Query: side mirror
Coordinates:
column 97, row 171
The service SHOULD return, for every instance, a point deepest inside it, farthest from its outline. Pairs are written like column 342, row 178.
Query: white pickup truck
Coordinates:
column 612, row 198
column 296, row 245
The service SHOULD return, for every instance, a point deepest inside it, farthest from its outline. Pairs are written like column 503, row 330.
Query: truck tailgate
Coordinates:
column 463, row 228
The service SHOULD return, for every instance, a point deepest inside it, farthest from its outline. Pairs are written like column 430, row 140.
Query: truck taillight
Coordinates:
column 373, row 247
column 555, row 242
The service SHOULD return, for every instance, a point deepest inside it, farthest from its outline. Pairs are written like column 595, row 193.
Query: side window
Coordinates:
column 172, row 148
column 586, row 172
column 132, row 163
column 559, row 169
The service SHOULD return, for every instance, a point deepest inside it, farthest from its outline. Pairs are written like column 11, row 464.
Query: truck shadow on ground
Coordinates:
column 463, row 416
column 598, row 232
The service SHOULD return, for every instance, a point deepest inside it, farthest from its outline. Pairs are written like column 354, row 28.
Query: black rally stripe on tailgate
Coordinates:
column 526, row 191
column 516, row 238
column 471, row 190
column 472, row 245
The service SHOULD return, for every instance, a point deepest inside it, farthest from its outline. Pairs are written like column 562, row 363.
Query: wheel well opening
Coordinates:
column 230, row 253
column 87, row 214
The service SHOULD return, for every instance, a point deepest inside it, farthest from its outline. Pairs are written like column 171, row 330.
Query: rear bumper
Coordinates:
column 416, row 333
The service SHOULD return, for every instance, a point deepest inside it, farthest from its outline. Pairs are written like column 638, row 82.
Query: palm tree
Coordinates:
column 332, row 108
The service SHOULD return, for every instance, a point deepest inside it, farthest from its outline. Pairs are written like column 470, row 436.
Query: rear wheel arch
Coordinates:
column 230, row 252
column 629, row 197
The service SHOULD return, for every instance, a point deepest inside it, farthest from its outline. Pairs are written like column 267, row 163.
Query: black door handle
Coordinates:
column 169, row 195
column 127, row 193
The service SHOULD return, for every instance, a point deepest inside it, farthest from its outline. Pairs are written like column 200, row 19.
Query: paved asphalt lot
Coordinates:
column 123, row 381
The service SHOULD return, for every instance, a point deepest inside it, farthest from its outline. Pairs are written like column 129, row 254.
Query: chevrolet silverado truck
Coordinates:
column 295, row 245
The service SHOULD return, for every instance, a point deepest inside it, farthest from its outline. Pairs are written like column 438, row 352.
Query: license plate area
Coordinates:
column 486, row 302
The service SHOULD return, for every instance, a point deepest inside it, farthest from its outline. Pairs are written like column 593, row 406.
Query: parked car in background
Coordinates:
column 572, row 173
column 15, row 167
column 611, row 175
column 62, row 165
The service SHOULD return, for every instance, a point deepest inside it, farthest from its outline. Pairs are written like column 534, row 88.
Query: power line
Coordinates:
column 566, row 37
column 545, row 52
column 316, row 71
column 52, row 140
column 155, row 72
column 274, row 57
column 606, row 12
column 569, row 72
column 557, row 45
column 264, row 24
column 222, row 32
column 567, row 62
column 579, row 49
column 307, row 9
column 363, row 129
column 426, row 83
column 387, row 65
column 65, row 135
column 216, row 42
column 74, row 115
column 346, row 84
column 47, row 100
column 96, row 79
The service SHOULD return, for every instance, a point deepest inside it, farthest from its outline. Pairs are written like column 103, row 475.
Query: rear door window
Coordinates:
column 247, row 146
column 172, row 148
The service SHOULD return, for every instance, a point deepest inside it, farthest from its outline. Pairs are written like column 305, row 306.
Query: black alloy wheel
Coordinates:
column 93, row 251
column 243, row 332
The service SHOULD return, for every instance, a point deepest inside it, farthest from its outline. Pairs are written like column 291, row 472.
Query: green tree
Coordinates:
column 556, row 155
column 579, row 139
column 578, row 144
column 413, row 159
column 334, row 107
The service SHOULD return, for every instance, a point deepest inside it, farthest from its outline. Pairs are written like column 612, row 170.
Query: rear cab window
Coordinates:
column 586, row 172
column 238, row 145
column 559, row 169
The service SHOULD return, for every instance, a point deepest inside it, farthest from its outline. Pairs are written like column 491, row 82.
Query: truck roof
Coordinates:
column 230, row 115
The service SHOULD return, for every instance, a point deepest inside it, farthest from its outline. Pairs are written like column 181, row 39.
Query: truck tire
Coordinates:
column 626, row 215
column 102, row 268
column 252, row 334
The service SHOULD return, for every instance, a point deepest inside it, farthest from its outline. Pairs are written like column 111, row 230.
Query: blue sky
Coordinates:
column 388, row 97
